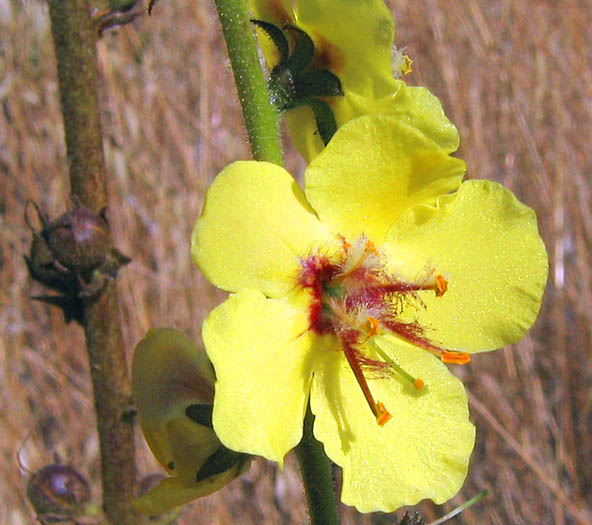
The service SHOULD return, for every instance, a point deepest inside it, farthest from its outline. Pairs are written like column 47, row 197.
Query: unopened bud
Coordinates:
column 172, row 381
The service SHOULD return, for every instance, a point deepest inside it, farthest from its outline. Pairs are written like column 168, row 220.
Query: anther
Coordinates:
column 383, row 416
column 374, row 324
column 455, row 358
column 346, row 245
column 441, row 285
column 418, row 384
column 371, row 248
column 406, row 68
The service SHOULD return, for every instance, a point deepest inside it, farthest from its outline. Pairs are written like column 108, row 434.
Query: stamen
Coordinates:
column 384, row 416
column 441, row 285
column 381, row 414
column 374, row 324
column 455, row 358
column 406, row 68
column 371, row 248
column 417, row 383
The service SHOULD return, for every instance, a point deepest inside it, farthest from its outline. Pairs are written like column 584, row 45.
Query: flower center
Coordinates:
column 355, row 299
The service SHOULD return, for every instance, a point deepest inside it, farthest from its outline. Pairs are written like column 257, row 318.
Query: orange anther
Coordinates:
column 371, row 248
column 374, row 324
column 382, row 414
column 418, row 384
column 441, row 285
column 456, row 358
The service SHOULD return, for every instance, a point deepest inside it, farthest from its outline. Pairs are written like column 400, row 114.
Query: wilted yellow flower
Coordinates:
column 172, row 384
column 352, row 294
column 353, row 40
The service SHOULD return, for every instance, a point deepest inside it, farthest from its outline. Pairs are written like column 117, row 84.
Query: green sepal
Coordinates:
column 325, row 119
column 220, row 461
column 277, row 37
column 303, row 52
column 318, row 83
column 201, row 414
column 292, row 83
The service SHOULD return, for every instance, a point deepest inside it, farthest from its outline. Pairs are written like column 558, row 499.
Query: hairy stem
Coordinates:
column 262, row 123
column 261, row 118
column 74, row 39
column 317, row 476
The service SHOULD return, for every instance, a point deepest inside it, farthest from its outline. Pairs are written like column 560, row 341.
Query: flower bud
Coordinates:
column 172, row 381
column 58, row 491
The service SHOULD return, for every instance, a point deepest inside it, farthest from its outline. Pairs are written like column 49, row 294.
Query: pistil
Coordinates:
column 416, row 382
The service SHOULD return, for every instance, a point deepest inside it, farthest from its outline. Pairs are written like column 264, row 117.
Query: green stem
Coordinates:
column 261, row 118
column 317, row 476
column 262, row 123
column 74, row 39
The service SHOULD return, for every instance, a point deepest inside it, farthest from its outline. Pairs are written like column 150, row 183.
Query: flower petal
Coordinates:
column 354, row 39
column 415, row 106
column 169, row 373
column 486, row 245
column 260, row 349
column 192, row 445
column 254, row 226
column 421, row 109
column 422, row 452
column 171, row 492
column 277, row 12
column 375, row 168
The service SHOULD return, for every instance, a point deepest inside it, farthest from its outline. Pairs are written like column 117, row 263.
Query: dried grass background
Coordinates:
column 514, row 76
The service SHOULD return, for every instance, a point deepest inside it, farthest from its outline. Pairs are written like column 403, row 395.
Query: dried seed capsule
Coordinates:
column 58, row 490
column 79, row 239
column 40, row 263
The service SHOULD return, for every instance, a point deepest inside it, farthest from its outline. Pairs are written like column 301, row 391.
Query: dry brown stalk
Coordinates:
column 75, row 38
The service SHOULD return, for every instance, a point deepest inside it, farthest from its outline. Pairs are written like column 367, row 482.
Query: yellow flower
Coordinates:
column 354, row 41
column 352, row 294
column 172, row 383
